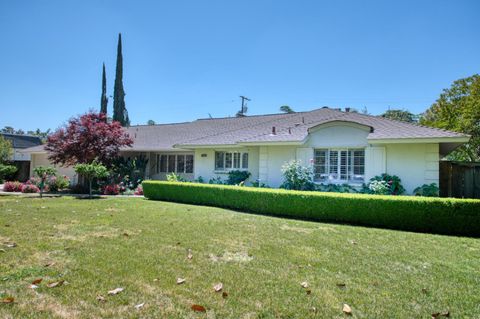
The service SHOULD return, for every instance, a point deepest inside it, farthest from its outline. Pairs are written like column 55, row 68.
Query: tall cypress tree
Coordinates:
column 119, row 109
column 104, row 98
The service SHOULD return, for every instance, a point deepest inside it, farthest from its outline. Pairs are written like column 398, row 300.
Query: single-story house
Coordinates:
column 21, row 159
column 342, row 146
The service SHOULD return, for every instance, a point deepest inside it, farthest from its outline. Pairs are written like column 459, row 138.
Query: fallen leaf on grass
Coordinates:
column 224, row 294
column 189, row 255
column 115, row 291
column 347, row 309
column 101, row 298
column 309, row 291
column 7, row 300
column 50, row 264
column 218, row 287
column 37, row 281
column 198, row 308
column 155, row 280
column 180, row 281
column 10, row 244
column 126, row 234
column 32, row 286
column 440, row 314
column 139, row 306
column 304, row 284
column 55, row 284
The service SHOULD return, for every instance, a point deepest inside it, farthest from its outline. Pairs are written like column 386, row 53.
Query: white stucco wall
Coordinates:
column 415, row 164
column 42, row 160
column 205, row 165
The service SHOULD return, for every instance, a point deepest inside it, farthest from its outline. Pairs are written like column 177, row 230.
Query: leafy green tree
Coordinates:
column 286, row 109
column 151, row 122
column 91, row 171
column 104, row 98
column 400, row 115
column 458, row 109
column 5, row 150
column 120, row 113
column 43, row 173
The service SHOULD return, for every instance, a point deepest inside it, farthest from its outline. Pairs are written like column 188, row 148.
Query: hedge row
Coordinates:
column 422, row 214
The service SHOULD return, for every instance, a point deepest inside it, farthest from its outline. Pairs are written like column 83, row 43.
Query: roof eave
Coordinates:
column 419, row 140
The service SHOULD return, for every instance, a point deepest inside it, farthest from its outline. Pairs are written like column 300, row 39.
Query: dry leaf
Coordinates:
column 304, row 284
column 189, row 255
column 7, row 300
column 309, row 291
column 37, row 281
column 115, row 291
column 101, row 298
column 49, row 264
column 180, row 281
column 55, row 284
column 198, row 308
column 346, row 309
column 10, row 244
column 139, row 306
column 218, row 287
column 440, row 314
column 155, row 280
column 224, row 294
column 126, row 234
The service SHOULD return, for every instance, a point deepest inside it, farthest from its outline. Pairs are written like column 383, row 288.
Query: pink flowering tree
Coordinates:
column 85, row 139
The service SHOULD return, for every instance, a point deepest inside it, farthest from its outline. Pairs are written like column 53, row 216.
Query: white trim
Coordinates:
column 419, row 140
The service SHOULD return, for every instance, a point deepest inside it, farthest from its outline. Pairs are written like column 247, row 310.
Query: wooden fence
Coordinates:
column 459, row 179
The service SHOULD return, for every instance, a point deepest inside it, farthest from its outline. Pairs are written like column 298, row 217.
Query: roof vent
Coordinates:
column 303, row 119
column 289, row 130
column 297, row 124
column 273, row 130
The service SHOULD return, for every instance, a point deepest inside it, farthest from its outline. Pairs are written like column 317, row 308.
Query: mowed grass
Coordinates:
column 142, row 246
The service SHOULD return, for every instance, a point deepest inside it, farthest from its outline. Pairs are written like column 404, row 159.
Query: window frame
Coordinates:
column 348, row 160
column 163, row 163
column 231, row 160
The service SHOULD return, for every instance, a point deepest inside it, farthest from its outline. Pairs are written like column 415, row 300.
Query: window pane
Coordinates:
column 219, row 160
column 236, row 160
column 228, row 160
column 180, row 163
column 358, row 165
column 333, row 165
column 343, row 165
column 171, row 163
column 320, row 165
column 163, row 163
column 189, row 164
column 245, row 160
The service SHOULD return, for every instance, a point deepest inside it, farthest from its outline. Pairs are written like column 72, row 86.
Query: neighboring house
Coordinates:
column 21, row 159
column 342, row 147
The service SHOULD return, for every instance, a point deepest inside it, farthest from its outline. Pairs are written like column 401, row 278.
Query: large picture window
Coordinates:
column 174, row 163
column 339, row 165
column 225, row 161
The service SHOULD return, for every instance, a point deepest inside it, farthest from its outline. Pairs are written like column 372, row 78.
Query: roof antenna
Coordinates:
column 244, row 108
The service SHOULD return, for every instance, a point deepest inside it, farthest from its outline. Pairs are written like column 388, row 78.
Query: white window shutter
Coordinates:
column 375, row 162
column 305, row 155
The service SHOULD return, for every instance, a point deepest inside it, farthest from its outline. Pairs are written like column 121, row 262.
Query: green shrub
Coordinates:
column 393, row 183
column 436, row 215
column 172, row 177
column 6, row 170
column 431, row 190
column 297, row 177
column 236, row 177
column 336, row 188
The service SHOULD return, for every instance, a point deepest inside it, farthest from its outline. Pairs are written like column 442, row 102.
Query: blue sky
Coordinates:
column 186, row 59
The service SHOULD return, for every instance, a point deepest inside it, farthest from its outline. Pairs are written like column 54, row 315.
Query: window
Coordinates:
column 174, row 163
column 346, row 165
column 230, row 160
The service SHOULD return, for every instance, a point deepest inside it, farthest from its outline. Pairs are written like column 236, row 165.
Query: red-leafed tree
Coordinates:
column 85, row 139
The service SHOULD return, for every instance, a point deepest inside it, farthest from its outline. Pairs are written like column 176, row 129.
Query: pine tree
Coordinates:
column 104, row 98
column 119, row 109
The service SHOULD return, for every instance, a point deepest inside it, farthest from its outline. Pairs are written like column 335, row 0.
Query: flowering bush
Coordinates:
column 12, row 187
column 379, row 187
column 56, row 183
column 112, row 189
column 30, row 188
column 297, row 177
column 394, row 184
column 139, row 190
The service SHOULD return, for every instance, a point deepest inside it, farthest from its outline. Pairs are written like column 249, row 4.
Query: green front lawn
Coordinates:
column 142, row 246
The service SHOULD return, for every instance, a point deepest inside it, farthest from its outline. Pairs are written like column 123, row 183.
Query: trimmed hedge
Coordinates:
column 435, row 215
